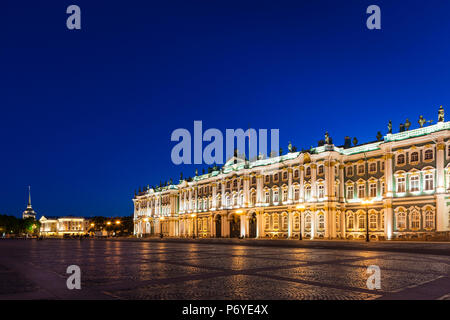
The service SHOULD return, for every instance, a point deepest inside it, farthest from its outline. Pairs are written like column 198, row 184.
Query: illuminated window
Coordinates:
column 285, row 194
column 414, row 183
column 275, row 196
column 297, row 194
column 429, row 185
column 415, row 220
column 321, row 222
column 276, row 222
column 351, row 222
column 267, row 197
column 361, row 221
column 308, row 222
column 401, row 184
column 307, row 192
column 284, row 222
column 429, row 219
column 373, row 190
column 401, row 220
column 373, row 221
column 296, row 222
column 361, row 191
column 321, row 191
column 350, row 192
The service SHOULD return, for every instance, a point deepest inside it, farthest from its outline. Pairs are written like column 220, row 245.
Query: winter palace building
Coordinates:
column 398, row 185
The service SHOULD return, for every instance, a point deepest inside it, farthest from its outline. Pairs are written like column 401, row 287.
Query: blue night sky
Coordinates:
column 86, row 116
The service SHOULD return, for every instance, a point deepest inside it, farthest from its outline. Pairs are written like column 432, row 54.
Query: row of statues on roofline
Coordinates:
column 422, row 121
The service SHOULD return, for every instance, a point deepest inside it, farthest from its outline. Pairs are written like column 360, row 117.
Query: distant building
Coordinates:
column 53, row 226
column 29, row 212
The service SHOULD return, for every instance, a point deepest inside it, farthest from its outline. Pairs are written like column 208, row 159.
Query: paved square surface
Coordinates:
column 31, row 269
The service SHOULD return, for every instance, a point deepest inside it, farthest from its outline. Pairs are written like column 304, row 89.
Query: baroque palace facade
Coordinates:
column 399, row 184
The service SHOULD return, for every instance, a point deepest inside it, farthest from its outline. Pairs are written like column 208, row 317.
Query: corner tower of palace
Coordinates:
column 399, row 185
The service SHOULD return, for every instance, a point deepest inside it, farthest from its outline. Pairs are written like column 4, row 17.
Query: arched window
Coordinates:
column 308, row 171
column 350, row 222
column 361, row 221
column 321, row 191
column 284, row 222
column 320, row 170
column 276, row 221
column 295, row 173
column 414, row 183
column 297, row 193
column 401, row 220
column 296, row 222
column 308, row 222
column 373, row 167
column 373, row 221
column 276, row 197
column 415, row 219
column 254, row 180
column 429, row 219
column 307, row 192
column 253, row 198
column 401, row 159
column 415, row 157
column 321, row 222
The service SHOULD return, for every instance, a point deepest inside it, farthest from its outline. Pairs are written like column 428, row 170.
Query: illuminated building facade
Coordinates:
column 53, row 226
column 400, row 184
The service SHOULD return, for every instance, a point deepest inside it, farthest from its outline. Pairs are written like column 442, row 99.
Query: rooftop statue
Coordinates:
column 355, row 141
column 421, row 121
column 402, row 127
column 407, row 124
column 290, row 146
column 379, row 136
column 327, row 138
column 390, row 126
column 441, row 114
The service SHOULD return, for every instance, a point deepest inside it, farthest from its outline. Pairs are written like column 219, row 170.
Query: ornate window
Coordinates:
column 276, row 221
column 350, row 222
column 350, row 192
column 307, row 192
column 320, row 170
column 372, row 167
column 361, row 169
column 350, row 171
column 415, row 156
column 275, row 177
column 428, row 182
column 401, row 160
column 414, row 183
column 401, row 184
column 267, row 197
column 321, row 191
column 372, row 221
column 267, row 179
column 297, row 193
column 338, row 222
column 429, row 218
column 296, row 222
column 308, row 171
column 284, row 195
column 321, row 222
column 308, row 222
column 275, row 196
column 373, row 190
column 361, row 191
column 361, row 221
column 284, row 222
column 295, row 173
column 253, row 198
column 254, row 180
column 415, row 219
column 285, row 176
column 428, row 155
column 401, row 219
